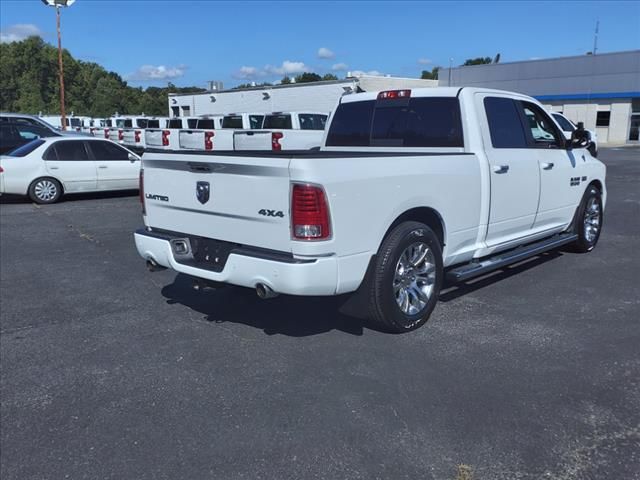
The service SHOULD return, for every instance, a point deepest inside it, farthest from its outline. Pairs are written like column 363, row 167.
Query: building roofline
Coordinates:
column 541, row 60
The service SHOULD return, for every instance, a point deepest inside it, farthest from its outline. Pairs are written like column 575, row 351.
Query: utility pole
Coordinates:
column 595, row 38
column 450, row 65
column 57, row 4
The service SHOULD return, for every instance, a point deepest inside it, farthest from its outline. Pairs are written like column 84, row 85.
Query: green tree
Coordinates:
column 477, row 61
column 285, row 80
column 430, row 75
column 308, row 77
column 329, row 76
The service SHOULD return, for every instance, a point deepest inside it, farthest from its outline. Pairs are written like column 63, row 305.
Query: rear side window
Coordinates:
column 505, row 125
column 255, row 121
column 69, row 150
column 25, row 149
column 175, row 123
column 277, row 121
column 312, row 121
column 206, row 124
column 232, row 121
column 351, row 125
column 108, row 151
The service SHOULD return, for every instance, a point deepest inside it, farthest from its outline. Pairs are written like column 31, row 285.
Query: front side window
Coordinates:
column 505, row 125
column 564, row 123
column 70, row 150
column 540, row 125
column 108, row 151
column 282, row 122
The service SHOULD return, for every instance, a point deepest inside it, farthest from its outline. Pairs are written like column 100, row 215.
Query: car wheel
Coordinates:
column 45, row 190
column 406, row 279
column 588, row 224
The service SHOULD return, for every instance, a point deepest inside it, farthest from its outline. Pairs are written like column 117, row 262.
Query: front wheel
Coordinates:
column 45, row 190
column 588, row 221
column 407, row 278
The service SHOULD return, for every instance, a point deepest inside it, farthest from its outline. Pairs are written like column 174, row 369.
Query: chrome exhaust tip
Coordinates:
column 152, row 266
column 264, row 291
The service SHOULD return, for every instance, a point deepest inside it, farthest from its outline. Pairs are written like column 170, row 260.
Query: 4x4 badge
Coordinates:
column 202, row 192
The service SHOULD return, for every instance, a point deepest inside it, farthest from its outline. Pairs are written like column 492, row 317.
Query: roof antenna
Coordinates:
column 595, row 38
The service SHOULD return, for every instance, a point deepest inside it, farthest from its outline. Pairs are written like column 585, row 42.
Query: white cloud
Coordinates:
column 424, row 61
column 373, row 73
column 18, row 32
column 287, row 68
column 325, row 53
column 340, row 67
column 159, row 72
column 247, row 72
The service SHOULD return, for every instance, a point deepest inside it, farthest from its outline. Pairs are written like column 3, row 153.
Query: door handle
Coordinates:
column 501, row 168
column 102, row 166
column 54, row 168
column 547, row 166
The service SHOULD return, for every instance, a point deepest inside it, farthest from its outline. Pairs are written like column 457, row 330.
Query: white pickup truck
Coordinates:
column 410, row 187
column 284, row 131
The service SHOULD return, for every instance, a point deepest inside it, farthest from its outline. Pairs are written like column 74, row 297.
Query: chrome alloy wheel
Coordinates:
column 415, row 277
column 592, row 220
column 45, row 190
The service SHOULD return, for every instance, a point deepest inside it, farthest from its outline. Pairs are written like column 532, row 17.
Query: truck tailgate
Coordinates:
column 239, row 199
column 252, row 140
column 129, row 138
column 153, row 138
column 191, row 139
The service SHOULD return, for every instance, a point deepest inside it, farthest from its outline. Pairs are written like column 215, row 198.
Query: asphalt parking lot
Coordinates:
column 108, row 371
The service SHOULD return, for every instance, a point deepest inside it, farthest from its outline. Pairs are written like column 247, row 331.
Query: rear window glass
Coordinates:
column 75, row 122
column 232, row 121
column 25, row 149
column 108, row 123
column 142, row 123
column 312, row 121
column 153, row 124
column 192, row 122
column 277, row 121
column 206, row 123
column 175, row 123
column 351, row 125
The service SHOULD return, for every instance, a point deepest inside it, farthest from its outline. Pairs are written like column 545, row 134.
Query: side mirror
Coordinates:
column 133, row 158
column 580, row 138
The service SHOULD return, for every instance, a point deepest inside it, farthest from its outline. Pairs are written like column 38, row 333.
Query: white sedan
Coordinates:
column 46, row 168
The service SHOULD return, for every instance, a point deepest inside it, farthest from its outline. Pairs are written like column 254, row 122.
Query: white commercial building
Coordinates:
column 310, row 97
column 602, row 90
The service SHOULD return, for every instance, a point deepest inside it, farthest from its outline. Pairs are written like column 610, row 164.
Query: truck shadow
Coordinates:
column 284, row 315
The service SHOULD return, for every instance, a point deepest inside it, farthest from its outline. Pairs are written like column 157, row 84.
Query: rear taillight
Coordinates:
column 208, row 143
column 1, row 169
column 120, row 135
column 165, row 138
column 309, row 213
column 136, row 136
column 275, row 141
column 141, row 188
column 77, row 129
column 106, row 133
column 391, row 94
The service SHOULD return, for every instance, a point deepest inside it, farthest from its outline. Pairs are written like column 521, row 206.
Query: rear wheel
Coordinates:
column 588, row 223
column 407, row 278
column 45, row 190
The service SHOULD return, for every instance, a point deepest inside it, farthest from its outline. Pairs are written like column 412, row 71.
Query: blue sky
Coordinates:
column 189, row 42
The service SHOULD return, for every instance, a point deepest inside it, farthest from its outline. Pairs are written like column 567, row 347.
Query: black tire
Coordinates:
column 385, row 282
column 45, row 190
column 589, row 215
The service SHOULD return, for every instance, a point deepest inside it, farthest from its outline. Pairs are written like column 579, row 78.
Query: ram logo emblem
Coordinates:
column 203, row 192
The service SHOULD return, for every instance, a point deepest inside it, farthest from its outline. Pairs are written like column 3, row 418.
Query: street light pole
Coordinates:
column 61, row 71
column 57, row 4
